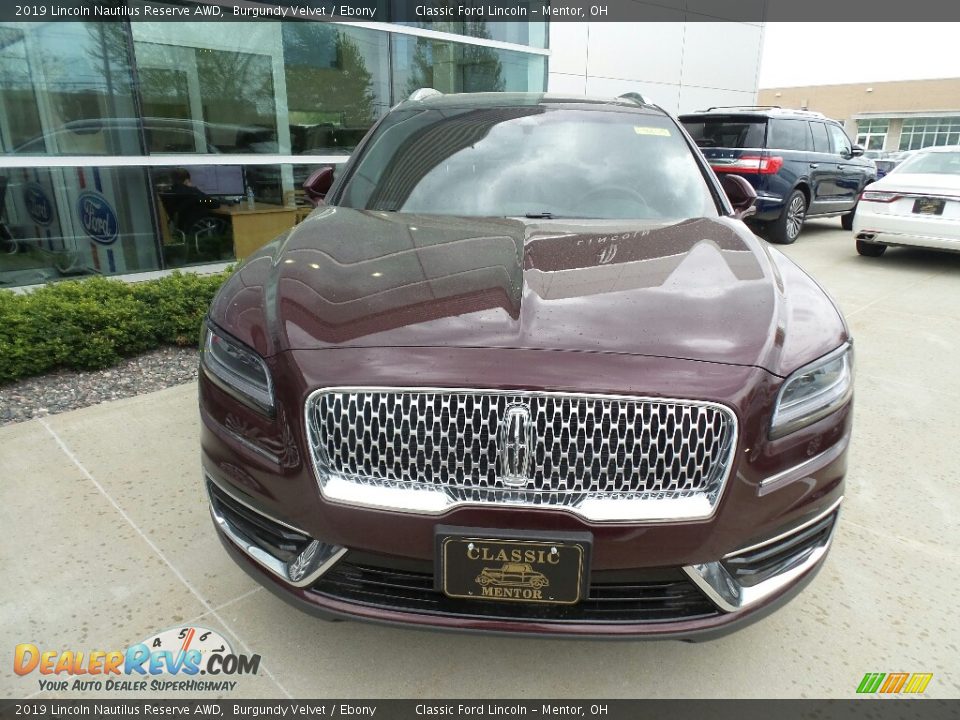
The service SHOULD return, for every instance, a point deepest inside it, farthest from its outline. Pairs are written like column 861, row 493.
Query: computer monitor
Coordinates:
column 218, row 180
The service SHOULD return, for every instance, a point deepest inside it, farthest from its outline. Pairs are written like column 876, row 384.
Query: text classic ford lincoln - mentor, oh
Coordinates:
column 526, row 370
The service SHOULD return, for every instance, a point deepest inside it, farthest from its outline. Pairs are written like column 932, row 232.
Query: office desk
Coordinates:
column 254, row 228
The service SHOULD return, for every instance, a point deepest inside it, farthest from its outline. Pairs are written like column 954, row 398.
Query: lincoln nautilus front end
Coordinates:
column 525, row 370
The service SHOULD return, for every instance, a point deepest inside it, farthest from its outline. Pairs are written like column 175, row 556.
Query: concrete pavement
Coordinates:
column 106, row 539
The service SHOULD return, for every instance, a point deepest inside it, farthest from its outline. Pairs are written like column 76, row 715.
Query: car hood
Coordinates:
column 700, row 289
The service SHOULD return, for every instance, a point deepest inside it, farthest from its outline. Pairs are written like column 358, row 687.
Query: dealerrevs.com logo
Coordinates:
column 185, row 659
column 898, row 683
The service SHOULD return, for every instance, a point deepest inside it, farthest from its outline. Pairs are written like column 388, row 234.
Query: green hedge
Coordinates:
column 88, row 324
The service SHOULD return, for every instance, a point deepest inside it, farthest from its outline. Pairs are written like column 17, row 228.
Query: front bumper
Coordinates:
column 694, row 602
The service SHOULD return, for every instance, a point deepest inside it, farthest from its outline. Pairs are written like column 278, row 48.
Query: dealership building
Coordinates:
column 891, row 116
column 98, row 119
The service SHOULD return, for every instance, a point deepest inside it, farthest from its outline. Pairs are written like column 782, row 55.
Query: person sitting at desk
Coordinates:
column 187, row 204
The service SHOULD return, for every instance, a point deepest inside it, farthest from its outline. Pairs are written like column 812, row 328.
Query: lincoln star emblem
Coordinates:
column 607, row 254
column 516, row 446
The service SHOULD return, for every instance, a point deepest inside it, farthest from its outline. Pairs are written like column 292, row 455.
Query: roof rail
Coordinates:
column 811, row 113
column 423, row 94
column 634, row 97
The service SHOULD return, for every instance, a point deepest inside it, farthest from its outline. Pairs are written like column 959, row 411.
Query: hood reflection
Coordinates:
column 361, row 278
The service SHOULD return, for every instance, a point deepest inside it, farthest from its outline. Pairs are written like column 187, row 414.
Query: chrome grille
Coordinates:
column 583, row 447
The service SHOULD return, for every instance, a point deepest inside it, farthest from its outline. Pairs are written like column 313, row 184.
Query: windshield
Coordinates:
column 937, row 163
column 530, row 161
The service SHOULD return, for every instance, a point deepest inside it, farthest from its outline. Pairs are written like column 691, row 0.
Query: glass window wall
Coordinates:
column 926, row 132
column 117, row 91
column 872, row 134
column 449, row 67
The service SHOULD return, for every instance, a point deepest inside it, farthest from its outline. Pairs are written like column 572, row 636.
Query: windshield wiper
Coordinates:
column 539, row 215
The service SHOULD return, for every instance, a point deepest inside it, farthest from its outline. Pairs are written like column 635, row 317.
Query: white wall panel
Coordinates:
column 698, row 98
column 636, row 51
column 568, row 47
column 721, row 55
column 567, row 84
column 680, row 65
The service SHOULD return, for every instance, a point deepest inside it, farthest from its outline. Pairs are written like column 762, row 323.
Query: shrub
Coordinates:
column 88, row 324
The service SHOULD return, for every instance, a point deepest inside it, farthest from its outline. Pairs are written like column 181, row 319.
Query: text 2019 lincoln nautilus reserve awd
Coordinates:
column 525, row 370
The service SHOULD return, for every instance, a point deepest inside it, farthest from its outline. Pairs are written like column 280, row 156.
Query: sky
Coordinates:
column 831, row 53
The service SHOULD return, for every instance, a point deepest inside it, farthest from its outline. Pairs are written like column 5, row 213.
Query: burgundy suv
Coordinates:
column 527, row 330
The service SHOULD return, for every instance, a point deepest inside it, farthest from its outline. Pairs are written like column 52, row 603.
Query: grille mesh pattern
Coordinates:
column 582, row 445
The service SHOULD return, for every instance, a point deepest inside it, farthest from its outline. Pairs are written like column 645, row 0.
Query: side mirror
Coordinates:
column 318, row 185
column 741, row 195
column 857, row 151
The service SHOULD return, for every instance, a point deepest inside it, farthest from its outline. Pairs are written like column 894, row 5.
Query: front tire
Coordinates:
column 869, row 249
column 786, row 229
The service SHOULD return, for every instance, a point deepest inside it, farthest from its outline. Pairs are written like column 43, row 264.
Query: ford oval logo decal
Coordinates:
column 38, row 204
column 98, row 219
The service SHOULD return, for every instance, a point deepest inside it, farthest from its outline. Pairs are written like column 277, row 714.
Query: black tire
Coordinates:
column 846, row 221
column 786, row 229
column 870, row 249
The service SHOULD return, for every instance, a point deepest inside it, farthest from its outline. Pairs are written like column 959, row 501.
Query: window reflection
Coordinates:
column 116, row 90
column 74, row 88
column 341, row 81
column 82, row 71
column 70, row 222
column 459, row 68
column 204, row 100
column 17, row 92
column 529, row 159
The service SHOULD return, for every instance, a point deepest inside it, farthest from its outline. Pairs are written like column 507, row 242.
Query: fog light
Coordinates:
column 314, row 557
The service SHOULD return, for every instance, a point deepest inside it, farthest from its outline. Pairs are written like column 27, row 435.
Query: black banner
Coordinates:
column 432, row 14
column 873, row 709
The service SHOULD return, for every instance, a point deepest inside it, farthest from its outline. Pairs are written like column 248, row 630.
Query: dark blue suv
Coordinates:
column 802, row 164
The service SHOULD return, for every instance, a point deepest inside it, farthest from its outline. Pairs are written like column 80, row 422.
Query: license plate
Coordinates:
column 928, row 206
column 513, row 567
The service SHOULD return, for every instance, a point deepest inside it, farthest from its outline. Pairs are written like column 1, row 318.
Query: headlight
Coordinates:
column 813, row 392
column 236, row 369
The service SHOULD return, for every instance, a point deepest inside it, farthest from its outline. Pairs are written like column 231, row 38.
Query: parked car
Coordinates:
column 917, row 204
column 801, row 164
column 884, row 166
column 884, row 160
column 525, row 328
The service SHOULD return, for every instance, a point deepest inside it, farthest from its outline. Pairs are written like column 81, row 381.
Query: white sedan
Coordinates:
column 917, row 203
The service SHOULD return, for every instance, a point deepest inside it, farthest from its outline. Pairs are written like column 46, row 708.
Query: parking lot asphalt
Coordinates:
column 106, row 539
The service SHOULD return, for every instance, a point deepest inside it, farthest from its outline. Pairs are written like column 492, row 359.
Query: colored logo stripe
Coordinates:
column 894, row 683
column 871, row 682
column 918, row 682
